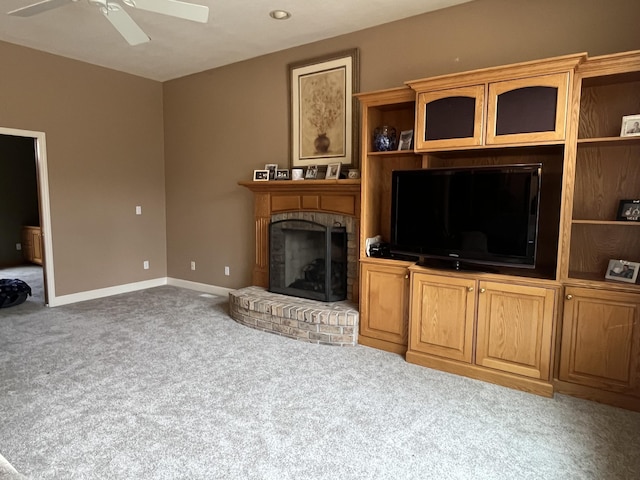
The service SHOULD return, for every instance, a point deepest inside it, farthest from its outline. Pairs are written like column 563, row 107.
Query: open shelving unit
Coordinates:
column 563, row 327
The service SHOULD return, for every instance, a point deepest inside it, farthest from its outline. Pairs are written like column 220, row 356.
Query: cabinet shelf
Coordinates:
column 393, row 153
column 597, row 280
column 606, row 222
column 605, row 141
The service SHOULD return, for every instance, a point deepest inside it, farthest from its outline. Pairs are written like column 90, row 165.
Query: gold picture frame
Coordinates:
column 323, row 111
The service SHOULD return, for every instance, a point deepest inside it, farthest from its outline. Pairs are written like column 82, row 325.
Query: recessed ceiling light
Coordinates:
column 279, row 14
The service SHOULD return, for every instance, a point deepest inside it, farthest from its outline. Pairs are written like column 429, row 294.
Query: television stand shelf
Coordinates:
column 560, row 326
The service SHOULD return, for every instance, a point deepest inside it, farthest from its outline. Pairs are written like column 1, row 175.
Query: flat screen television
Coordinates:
column 485, row 215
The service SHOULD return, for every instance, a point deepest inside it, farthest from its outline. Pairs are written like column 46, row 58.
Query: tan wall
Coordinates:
column 105, row 131
column 104, row 134
column 222, row 124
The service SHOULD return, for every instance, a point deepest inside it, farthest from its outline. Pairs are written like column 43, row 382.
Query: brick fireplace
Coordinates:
column 327, row 202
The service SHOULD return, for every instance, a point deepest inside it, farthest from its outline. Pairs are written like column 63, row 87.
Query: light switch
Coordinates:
column 138, row 210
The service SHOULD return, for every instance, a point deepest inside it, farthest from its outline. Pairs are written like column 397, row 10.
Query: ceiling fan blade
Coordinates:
column 174, row 8
column 39, row 7
column 122, row 22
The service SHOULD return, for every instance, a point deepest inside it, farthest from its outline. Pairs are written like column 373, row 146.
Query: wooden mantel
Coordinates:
column 330, row 196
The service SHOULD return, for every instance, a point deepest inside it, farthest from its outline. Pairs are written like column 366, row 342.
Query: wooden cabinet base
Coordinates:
column 32, row 244
column 594, row 394
column 382, row 345
column 530, row 385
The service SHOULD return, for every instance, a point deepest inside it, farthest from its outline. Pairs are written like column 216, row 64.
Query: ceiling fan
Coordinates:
column 120, row 19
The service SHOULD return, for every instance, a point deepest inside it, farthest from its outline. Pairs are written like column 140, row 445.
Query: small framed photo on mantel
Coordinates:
column 311, row 173
column 282, row 174
column 333, row 171
column 273, row 169
column 261, row 175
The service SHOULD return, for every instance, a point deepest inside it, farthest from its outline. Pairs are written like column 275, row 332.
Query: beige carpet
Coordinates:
column 162, row 384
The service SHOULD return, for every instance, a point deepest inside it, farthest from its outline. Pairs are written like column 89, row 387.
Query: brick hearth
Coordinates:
column 333, row 323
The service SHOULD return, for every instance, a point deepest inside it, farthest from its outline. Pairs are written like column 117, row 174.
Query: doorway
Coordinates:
column 42, row 180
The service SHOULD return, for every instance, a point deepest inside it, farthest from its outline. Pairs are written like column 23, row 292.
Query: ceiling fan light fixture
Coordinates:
column 279, row 14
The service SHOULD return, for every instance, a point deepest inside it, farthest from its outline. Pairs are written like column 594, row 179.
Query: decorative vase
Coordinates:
column 384, row 139
column 321, row 143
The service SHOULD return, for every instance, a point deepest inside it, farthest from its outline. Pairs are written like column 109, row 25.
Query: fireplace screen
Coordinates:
column 307, row 259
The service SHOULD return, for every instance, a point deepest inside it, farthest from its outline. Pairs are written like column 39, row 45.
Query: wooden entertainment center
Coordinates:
column 561, row 327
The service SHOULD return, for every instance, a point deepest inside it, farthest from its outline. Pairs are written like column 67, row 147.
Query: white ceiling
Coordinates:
column 237, row 30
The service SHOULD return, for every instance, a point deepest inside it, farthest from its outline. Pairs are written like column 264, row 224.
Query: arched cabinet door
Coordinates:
column 532, row 109
column 450, row 118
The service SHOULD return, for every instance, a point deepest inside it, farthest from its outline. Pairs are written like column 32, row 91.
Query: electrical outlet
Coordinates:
column 145, row 264
column 18, row 246
column 193, row 265
column 226, row 271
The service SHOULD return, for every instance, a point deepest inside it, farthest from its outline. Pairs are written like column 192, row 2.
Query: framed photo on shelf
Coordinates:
column 273, row 168
column 629, row 210
column 406, row 140
column 261, row 175
column 311, row 173
column 282, row 174
column 630, row 126
column 333, row 171
column 323, row 111
column 622, row 271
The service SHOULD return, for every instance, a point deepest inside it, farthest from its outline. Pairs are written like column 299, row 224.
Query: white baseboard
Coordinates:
column 106, row 292
column 134, row 287
column 199, row 287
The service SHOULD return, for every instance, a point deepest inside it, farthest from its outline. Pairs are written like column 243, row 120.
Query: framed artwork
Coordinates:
column 629, row 210
column 282, row 174
column 406, row 140
column 273, row 168
column 333, row 171
column 622, row 271
column 323, row 112
column 630, row 126
column 311, row 173
column 261, row 175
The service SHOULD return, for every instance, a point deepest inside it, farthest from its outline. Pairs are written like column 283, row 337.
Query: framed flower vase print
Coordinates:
column 323, row 112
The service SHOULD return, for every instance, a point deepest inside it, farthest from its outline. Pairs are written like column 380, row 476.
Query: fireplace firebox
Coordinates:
column 308, row 260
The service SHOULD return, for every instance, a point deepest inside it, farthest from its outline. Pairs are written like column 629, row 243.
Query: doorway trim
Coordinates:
column 42, row 174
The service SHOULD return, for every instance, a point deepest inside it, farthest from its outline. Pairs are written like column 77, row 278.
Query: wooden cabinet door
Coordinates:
column 600, row 344
column 36, row 236
column 27, row 244
column 442, row 313
column 384, row 302
column 32, row 244
column 527, row 109
column 450, row 118
column 515, row 325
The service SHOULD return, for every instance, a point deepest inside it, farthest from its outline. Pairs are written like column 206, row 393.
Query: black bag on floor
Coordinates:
column 13, row 292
